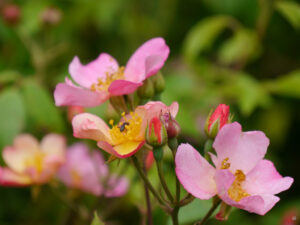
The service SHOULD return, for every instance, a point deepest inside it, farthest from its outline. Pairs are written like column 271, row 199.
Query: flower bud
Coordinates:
column 223, row 212
column 217, row 120
column 158, row 82
column 156, row 133
column 11, row 14
column 146, row 91
column 73, row 111
column 51, row 16
column 171, row 125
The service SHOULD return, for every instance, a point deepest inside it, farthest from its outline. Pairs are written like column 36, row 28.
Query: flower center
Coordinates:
column 36, row 161
column 104, row 83
column 235, row 192
column 76, row 178
column 128, row 129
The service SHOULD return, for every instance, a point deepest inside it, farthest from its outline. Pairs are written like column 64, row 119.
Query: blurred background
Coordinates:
column 242, row 53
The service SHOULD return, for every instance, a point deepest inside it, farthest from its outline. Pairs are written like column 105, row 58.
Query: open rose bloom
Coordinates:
column 103, row 77
column 125, row 138
column 241, row 177
column 30, row 162
column 88, row 172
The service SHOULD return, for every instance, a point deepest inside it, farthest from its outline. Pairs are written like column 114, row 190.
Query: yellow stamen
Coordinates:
column 111, row 122
column 36, row 161
column 123, row 114
column 236, row 192
column 128, row 129
column 104, row 83
column 225, row 164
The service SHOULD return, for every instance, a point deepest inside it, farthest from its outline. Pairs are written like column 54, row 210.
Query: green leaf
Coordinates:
column 244, row 45
column 203, row 35
column 287, row 85
column 291, row 11
column 41, row 109
column 96, row 220
column 12, row 116
column 8, row 76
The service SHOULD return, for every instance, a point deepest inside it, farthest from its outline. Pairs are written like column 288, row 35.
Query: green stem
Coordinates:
column 147, row 182
column 186, row 200
column 174, row 215
column 209, row 213
column 163, row 181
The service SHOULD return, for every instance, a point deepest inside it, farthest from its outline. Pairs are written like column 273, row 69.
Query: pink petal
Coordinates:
column 264, row 179
column 11, row 179
column 123, row 87
column 54, row 145
column 67, row 94
column 86, row 75
column 259, row 204
column 243, row 149
column 25, row 146
column 124, row 150
column 194, row 172
column 116, row 186
column 147, row 60
column 89, row 126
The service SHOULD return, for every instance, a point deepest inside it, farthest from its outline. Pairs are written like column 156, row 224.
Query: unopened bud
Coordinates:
column 217, row 120
column 171, row 125
column 11, row 14
column 158, row 82
column 146, row 91
column 224, row 212
column 156, row 133
column 73, row 111
column 51, row 16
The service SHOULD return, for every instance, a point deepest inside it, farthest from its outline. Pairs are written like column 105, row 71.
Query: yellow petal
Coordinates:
column 127, row 147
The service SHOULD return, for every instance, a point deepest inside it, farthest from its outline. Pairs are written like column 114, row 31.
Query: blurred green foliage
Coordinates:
column 242, row 53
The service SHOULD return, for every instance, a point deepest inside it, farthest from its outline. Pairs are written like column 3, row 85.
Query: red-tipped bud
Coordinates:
column 51, row 16
column 224, row 212
column 217, row 120
column 171, row 125
column 11, row 14
column 156, row 133
column 73, row 111
column 149, row 160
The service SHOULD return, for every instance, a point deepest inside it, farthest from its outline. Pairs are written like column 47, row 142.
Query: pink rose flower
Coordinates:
column 124, row 138
column 88, row 172
column 30, row 162
column 103, row 77
column 241, row 177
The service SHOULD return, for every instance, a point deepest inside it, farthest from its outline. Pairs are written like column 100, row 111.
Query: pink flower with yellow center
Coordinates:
column 30, row 162
column 103, row 77
column 88, row 172
column 124, row 138
column 241, row 177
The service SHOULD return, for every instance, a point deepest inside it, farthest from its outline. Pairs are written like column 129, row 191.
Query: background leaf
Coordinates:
column 96, row 220
column 291, row 11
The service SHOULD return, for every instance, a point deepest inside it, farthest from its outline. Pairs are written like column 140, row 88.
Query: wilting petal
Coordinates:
column 264, row 179
column 123, row 87
column 10, row 178
column 66, row 94
column 194, row 172
column 86, row 75
column 116, row 186
column 89, row 126
column 123, row 150
column 147, row 60
column 243, row 149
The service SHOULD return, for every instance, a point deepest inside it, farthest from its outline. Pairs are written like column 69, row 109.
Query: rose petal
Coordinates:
column 86, row 75
column 147, row 60
column 54, row 145
column 117, row 186
column 194, row 172
column 123, row 87
column 243, row 149
column 123, row 150
column 89, row 126
column 264, row 179
column 11, row 179
column 67, row 94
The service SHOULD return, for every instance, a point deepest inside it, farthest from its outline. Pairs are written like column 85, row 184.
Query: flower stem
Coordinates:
column 163, row 181
column 186, row 200
column 148, row 201
column 209, row 213
column 174, row 215
column 147, row 182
